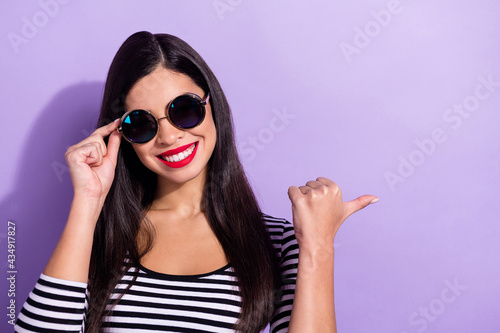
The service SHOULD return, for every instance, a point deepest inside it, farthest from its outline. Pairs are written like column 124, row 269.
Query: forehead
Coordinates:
column 156, row 90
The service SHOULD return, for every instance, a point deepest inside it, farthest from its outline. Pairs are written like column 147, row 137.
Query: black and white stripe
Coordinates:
column 53, row 306
column 160, row 302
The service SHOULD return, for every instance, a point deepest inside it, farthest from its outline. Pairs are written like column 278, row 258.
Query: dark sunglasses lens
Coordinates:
column 186, row 112
column 139, row 126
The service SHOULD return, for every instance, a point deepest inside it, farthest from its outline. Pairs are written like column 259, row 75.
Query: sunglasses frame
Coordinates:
column 200, row 100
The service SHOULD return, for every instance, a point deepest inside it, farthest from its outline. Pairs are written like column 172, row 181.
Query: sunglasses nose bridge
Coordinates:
column 168, row 133
column 169, row 121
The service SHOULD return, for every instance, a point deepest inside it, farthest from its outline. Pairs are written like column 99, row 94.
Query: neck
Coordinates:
column 184, row 199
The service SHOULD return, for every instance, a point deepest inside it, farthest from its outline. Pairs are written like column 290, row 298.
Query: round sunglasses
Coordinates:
column 184, row 112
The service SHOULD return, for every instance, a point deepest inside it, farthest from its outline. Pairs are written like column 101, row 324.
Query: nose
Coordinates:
column 168, row 134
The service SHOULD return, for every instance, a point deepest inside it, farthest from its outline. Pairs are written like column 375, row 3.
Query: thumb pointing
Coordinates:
column 351, row 207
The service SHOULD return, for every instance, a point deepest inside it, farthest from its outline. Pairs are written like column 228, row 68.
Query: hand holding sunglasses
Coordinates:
column 92, row 162
column 184, row 112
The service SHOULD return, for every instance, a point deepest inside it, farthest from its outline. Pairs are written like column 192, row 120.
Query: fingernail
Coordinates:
column 374, row 200
column 117, row 119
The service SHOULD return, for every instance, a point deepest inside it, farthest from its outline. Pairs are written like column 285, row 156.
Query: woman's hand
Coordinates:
column 92, row 164
column 318, row 212
column 92, row 168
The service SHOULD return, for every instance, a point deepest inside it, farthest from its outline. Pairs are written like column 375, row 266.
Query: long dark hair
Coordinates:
column 228, row 201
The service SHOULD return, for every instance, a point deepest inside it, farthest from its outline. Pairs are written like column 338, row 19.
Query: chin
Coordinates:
column 182, row 175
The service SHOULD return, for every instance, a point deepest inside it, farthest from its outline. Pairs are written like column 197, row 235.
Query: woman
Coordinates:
column 164, row 232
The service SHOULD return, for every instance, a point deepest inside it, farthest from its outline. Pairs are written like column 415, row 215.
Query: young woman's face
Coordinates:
column 175, row 155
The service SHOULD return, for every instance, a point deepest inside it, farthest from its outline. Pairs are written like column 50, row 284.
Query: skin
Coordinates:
column 184, row 243
column 318, row 212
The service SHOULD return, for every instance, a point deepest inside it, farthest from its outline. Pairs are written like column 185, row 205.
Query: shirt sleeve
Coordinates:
column 289, row 260
column 54, row 306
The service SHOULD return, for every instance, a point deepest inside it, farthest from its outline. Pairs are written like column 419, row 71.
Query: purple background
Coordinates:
column 366, row 93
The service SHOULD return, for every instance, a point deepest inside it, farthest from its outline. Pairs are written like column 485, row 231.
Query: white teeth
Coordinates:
column 180, row 156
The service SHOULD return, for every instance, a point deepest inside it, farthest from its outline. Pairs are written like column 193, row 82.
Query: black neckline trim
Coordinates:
column 181, row 277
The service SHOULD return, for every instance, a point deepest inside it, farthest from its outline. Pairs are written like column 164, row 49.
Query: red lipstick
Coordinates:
column 178, row 164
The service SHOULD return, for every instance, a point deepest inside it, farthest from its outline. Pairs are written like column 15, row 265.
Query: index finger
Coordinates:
column 106, row 130
column 326, row 181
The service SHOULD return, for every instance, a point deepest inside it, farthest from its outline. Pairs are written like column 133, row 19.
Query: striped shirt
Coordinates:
column 159, row 302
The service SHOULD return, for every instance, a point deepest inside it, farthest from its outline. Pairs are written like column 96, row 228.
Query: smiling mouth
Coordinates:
column 179, row 156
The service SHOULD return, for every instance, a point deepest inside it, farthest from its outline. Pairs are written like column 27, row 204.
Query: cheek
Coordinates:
column 141, row 152
column 210, row 126
column 211, row 133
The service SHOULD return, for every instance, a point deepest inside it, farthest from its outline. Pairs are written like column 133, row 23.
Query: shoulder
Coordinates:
column 281, row 233
column 276, row 222
column 277, row 227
